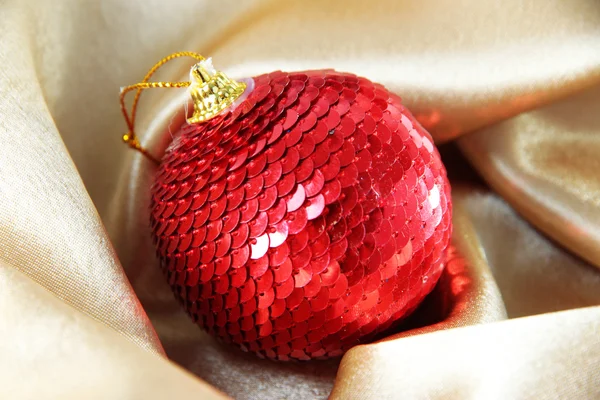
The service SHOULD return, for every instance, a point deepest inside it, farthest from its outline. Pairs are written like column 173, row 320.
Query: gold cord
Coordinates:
column 130, row 137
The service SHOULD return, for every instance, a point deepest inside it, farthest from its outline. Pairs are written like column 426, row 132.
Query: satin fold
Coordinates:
column 503, row 360
column 49, row 227
column 51, row 350
column 546, row 164
column 86, row 312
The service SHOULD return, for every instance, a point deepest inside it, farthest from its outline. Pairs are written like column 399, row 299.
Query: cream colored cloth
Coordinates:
column 515, row 84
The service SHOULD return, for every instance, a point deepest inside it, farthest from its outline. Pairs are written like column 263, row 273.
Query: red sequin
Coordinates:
column 305, row 222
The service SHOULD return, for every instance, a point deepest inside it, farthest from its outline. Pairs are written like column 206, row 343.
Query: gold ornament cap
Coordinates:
column 211, row 91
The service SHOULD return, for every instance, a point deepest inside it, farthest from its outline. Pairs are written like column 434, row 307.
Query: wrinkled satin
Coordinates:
column 547, row 164
column 515, row 83
column 53, row 351
column 492, row 361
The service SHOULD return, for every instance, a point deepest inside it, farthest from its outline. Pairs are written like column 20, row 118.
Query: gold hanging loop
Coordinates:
column 211, row 91
column 130, row 137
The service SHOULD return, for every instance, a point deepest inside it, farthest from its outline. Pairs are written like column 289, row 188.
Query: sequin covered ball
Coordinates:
column 311, row 217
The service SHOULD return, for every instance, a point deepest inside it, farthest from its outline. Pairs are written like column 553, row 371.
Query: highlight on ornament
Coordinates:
column 296, row 214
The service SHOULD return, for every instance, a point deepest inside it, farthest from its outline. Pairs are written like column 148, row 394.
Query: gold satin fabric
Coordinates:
column 547, row 164
column 512, row 85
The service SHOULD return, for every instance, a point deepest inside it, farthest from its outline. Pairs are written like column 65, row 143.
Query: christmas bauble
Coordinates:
column 304, row 219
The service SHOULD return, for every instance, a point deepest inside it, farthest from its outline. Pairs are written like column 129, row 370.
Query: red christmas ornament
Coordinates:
column 306, row 218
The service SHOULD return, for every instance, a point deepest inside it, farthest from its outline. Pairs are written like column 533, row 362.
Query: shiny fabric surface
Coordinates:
column 513, row 84
column 546, row 164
